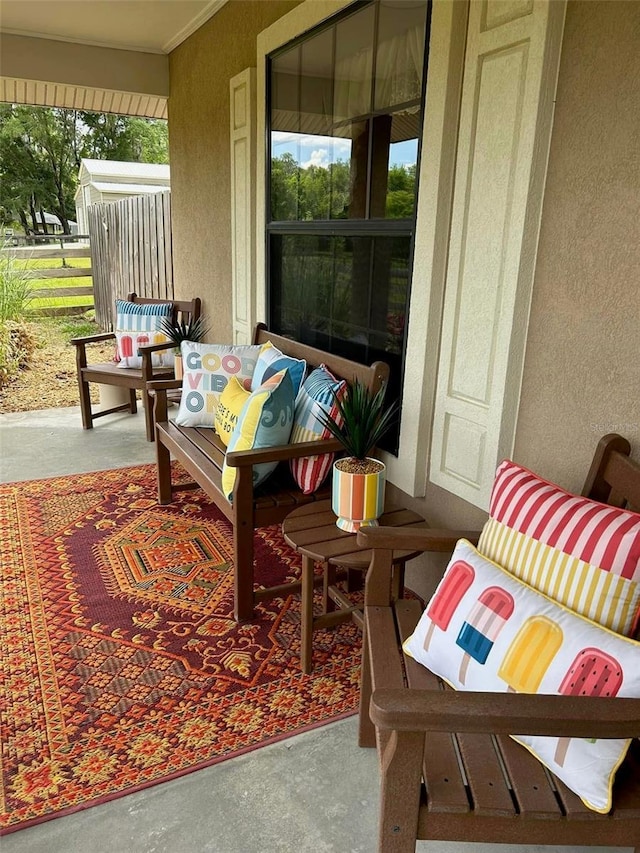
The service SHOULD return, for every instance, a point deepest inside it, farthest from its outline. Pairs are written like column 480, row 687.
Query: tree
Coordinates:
column 114, row 137
column 41, row 149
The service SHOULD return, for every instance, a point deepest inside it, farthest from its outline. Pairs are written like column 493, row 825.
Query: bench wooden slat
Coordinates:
column 445, row 788
column 201, row 468
column 530, row 782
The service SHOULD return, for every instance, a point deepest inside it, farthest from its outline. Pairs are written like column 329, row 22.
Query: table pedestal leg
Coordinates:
column 329, row 579
column 306, row 620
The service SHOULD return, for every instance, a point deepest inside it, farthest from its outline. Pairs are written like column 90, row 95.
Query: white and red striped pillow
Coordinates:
column 316, row 397
column 581, row 553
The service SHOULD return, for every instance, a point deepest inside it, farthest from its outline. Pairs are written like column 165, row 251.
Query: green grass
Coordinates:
column 54, row 263
column 56, row 283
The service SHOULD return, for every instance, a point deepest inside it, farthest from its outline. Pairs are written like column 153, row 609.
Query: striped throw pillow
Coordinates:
column 581, row 553
column 139, row 324
column 315, row 397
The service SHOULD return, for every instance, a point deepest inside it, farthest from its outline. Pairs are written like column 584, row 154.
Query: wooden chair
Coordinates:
column 135, row 379
column 449, row 769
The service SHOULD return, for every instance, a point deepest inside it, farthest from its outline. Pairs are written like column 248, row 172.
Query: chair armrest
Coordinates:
column 505, row 713
column 281, row 452
column 164, row 385
column 154, row 348
column 418, row 539
column 92, row 339
column 383, row 541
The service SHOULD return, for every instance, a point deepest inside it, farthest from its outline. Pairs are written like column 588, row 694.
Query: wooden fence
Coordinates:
column 62, row 272
column 132, row 251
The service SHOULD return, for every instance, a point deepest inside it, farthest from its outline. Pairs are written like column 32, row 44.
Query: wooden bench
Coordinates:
column 132, row 378
column 478, row 784
column 202, row 454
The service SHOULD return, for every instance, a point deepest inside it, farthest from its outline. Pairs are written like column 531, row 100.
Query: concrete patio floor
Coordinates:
column 313, row 793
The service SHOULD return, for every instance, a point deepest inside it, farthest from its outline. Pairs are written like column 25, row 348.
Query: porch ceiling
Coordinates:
column 95, row 55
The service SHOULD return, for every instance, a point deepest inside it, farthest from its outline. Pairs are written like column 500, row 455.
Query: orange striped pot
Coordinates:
column 177, row 367
column 357, row 499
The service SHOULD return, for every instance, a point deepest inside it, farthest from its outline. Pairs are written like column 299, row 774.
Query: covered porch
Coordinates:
column 562, row 372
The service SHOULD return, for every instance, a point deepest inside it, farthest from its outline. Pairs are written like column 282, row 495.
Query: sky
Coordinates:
column 323, row 150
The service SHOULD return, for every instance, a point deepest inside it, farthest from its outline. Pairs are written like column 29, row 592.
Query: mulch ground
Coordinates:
column 49, row 381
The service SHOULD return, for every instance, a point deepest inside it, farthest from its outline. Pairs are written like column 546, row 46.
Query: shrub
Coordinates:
column 15, row 287
column 16, row 344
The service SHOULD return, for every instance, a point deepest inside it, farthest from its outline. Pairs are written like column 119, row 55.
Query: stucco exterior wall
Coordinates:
column 200, row 70
column 582, row 368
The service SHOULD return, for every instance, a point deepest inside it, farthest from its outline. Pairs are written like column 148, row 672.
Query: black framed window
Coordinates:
column 345, row 118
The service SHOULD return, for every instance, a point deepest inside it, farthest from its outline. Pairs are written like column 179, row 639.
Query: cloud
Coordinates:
column 339, row 148
column 320, row 157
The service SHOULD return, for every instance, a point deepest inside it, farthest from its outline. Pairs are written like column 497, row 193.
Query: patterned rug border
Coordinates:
column 118, row 795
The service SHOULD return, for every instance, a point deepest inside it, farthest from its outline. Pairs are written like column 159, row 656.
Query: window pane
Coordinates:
column 354, row 65
column 348, row 295
column 316, row 84
column 285, row 126
column 394, row 166
column 400, row 53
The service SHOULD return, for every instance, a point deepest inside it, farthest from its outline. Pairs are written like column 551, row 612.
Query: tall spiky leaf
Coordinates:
column 365, row 419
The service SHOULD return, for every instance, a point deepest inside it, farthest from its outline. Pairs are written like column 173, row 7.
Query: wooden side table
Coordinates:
column 311, row 531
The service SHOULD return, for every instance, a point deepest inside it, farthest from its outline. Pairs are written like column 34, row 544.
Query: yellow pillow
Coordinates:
column 231, row 402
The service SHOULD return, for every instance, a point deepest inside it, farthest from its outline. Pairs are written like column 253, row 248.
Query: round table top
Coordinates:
column 311, row 530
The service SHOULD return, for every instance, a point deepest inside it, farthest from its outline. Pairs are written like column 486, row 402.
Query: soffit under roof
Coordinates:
column 150, row 26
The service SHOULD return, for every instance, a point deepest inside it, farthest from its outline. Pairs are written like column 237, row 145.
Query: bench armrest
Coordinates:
column 247, row 458
column 159, row 388
column 505, row 713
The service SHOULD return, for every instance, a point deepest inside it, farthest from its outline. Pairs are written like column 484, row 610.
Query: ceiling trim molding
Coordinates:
column 195, row 23
column 87, row 42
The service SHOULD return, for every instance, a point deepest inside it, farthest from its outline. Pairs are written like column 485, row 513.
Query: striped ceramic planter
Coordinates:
column 358, row 499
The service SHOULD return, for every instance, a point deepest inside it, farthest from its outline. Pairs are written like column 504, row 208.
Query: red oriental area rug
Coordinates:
column 122, row 665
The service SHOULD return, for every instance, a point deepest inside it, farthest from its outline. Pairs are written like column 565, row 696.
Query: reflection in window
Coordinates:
column 321, row 294
column 345, row 108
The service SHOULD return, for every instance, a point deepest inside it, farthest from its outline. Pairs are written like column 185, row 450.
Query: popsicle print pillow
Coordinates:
column 486, row 630
column 138, row 324
column 582, row 553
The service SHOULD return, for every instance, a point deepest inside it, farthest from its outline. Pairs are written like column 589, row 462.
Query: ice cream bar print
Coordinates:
column 530, row 654
column 593, row 673
column 448, row 596
column 126, row 345
column 159, row 338
column 485, row 621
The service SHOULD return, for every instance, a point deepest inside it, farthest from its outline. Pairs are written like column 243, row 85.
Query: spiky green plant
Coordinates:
column 178, row 330
column 365, row 419
column 15, row 286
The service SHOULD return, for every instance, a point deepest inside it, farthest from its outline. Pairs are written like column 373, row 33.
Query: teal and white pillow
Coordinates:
column 272, row 361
